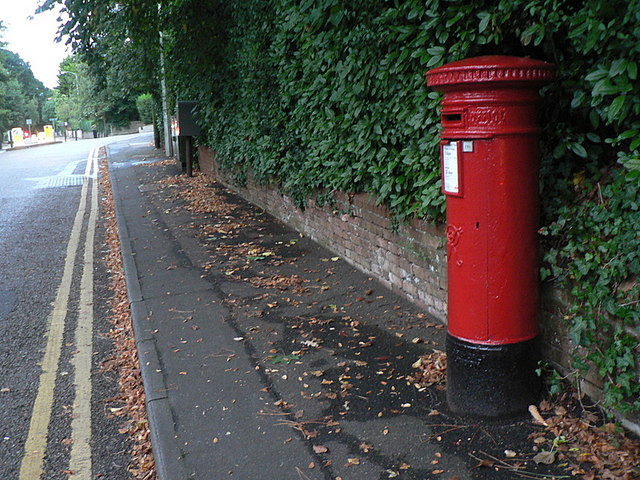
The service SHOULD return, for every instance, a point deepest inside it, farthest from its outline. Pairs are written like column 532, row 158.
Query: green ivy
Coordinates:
column 594, row 249
column 317, row 96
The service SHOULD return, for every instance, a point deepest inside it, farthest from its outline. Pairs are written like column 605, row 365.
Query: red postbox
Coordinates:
column 489, row 155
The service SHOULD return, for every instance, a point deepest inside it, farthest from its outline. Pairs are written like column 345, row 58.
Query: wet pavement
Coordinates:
column 265, row 356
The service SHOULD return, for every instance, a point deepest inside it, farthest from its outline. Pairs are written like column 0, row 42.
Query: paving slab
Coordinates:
column 265, row 356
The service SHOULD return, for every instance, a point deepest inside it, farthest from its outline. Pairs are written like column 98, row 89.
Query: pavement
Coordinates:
column 265, row 356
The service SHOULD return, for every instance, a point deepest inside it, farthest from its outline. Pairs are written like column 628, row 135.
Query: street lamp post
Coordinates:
column 168, row 144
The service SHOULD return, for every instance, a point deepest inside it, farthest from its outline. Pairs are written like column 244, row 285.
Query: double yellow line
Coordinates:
column 32, row 467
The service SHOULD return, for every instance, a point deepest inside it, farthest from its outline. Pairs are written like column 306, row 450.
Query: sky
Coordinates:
column 33, row 39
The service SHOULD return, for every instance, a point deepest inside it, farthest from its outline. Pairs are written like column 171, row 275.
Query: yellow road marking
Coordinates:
column 80, row 459
column 32, row 464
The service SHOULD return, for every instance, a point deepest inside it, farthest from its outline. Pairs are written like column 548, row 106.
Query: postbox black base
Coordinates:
column 492, row 381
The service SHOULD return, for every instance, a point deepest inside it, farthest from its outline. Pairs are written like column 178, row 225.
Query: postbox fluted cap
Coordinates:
column 494, row 69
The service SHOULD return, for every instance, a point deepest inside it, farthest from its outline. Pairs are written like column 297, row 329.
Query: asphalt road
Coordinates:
column 54, row 399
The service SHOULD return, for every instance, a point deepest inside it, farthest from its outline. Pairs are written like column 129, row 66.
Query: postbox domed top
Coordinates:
column 491, row 69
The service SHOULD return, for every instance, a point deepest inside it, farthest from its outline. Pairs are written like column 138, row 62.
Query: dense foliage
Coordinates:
column 82, row 100
column 324, row 95
column 145, row 105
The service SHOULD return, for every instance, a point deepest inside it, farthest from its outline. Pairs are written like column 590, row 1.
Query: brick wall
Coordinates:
column 411, row 261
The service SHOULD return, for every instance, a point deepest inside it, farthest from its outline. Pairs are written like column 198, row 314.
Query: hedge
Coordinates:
column 317, row 96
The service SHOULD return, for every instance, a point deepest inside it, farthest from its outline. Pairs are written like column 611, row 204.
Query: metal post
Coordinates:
column 168, row 146
column 188, row 153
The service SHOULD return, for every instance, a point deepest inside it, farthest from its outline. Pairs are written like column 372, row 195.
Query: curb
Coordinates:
column 31, row 145
column 166, row 453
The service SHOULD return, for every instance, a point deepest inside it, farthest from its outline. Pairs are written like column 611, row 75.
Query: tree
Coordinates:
column 22, row 96
column 124, row 61
column 86, row 101
column 146, row 107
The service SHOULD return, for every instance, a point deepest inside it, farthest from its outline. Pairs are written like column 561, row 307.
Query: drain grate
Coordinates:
column 61, row 181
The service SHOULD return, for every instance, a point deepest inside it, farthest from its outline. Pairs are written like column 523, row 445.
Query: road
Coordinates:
column 54, row 398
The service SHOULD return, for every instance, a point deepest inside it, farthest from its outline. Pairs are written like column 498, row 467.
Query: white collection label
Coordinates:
column 450, row 168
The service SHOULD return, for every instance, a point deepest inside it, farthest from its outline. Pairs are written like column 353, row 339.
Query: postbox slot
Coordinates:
column 452, row 117
column 452, row 120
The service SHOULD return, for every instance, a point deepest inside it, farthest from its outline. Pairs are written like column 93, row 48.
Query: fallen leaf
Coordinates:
column 320, row 449
column 485, row 463
column 287, row 359
column 533, row 410
column 352, row 461
column 365, row 447
column 560, row 410
column 546, row 458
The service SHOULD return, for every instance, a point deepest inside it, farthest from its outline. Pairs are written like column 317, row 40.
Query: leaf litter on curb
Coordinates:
column 125, row 359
